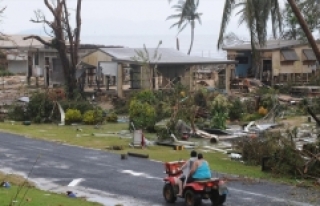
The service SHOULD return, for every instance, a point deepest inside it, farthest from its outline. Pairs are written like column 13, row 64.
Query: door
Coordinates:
column 267, row 72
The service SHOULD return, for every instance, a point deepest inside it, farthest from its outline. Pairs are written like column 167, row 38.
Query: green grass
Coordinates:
column 68, row 134
column 30, row 196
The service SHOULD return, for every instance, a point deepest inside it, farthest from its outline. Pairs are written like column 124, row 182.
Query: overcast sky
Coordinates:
column 103, row 18
column 114, row 17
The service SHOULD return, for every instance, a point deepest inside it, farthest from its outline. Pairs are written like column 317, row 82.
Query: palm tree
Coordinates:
column 187, row 14
column 304, row 24
column 255, row 14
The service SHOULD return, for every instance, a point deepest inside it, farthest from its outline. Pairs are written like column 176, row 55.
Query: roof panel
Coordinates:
column 309, row 54
column 289, row 55
column 270, row 45
column 168, row 56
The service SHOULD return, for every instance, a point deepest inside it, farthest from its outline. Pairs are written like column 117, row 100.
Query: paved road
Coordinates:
column 137, row 178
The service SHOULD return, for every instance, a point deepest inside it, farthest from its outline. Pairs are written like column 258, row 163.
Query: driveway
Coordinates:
column 135, row 181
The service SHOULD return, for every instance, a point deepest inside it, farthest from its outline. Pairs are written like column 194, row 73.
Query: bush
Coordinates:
column 219, row 111
column 82, row 106
column 143, row 115
column 17, row 113
column 92, row 117
column 251, row 117
column 236, row 110
column 112, row 117
column 40, row 108
column 73, row 116
column 121, row 106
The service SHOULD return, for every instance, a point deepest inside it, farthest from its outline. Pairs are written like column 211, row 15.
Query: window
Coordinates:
column 242, row 60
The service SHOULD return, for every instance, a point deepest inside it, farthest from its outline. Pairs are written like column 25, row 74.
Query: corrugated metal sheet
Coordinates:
column 168, row 56
column 309, row 54
column 270, row 45
column 289, row 55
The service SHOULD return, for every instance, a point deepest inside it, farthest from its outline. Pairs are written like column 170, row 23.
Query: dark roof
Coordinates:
column 309, row 54
column 270, row 45
column 289, row 55
column 168, row 56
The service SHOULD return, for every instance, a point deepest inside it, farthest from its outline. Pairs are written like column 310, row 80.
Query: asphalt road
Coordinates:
column 139, row 179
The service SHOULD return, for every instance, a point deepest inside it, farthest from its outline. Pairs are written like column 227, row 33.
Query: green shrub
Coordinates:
column 251, row 117
column 146, row 96
column 236, row 110
column 92, row 117
column 5, row 73
column 17, row 113
column 73, row 116
column 82, row 106
column 121, row 106
column 143, row 115
column 40, row 108
column 112, row 117
column 219, row 111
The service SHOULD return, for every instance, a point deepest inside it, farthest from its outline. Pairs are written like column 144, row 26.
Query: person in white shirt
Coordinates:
column 186, row 170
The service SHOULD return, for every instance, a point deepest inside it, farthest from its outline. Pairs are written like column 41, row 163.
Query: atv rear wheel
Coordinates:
column 192, row 199
column 217, row 199
column 168, row 193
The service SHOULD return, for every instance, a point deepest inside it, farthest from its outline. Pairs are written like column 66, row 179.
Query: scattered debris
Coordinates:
column 71, row 194
column 6, row 185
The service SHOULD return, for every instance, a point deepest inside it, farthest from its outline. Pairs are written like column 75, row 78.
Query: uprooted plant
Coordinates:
column 285, row 158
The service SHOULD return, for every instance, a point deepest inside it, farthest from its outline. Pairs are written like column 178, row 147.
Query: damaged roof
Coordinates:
column 168, row 56
column 17, row 41
column 270, row 45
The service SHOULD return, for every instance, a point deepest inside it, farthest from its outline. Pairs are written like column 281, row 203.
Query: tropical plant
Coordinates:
column 219, row 112
column 292, row 28
column 142, row 114
column 255, row 14
column 149, row 63
column 187, row 14
column 304, row 24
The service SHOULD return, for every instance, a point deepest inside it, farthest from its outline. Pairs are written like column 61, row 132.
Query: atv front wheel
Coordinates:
column 168, row 193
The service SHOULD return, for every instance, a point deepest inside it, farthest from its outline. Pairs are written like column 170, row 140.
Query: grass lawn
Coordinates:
column 68, row 134
column 31, row 196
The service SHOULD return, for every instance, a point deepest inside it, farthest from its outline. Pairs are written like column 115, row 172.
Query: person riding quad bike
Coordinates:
column 199, row 184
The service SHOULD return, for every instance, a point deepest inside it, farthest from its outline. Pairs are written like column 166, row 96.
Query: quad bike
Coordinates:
column 194, row 192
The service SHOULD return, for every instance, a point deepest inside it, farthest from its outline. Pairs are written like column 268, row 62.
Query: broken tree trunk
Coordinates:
column 313, row 116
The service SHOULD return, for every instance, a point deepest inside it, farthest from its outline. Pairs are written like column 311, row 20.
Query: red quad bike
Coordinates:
column 193, row 193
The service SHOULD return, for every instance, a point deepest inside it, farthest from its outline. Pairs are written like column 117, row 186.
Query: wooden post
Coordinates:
column 228, row 76
column 120, row 81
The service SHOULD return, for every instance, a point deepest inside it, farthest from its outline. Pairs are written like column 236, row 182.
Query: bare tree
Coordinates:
column 65, row 40
column 143, row 57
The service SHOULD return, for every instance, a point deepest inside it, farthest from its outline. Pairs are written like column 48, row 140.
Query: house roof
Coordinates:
column 17, row 41
column 270, row 45
column 309, row 54
column 168, row 56
column 289, row 55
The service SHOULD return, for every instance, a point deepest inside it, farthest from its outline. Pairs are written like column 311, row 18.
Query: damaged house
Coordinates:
column 280, row 61
column 119, row 68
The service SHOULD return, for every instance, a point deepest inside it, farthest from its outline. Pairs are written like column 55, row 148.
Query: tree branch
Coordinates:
column 38, row 38
column 68, row 29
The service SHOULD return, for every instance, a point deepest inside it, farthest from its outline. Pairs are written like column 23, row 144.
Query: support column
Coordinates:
column 228, row 76
column 120, row 81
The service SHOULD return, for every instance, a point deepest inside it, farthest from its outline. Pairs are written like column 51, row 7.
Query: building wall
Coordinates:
column 297, row 66
column 241, row 69
column 95, row 57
